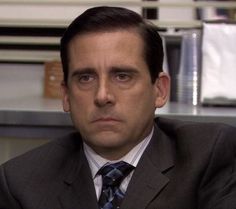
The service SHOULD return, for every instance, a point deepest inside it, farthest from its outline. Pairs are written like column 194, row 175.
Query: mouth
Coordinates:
column 105, row 120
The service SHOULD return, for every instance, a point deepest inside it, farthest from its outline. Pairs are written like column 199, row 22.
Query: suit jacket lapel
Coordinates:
column 149, row 179
column 79, row 190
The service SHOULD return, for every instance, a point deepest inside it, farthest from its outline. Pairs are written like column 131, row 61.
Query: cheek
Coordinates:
column 80, row 103
column 143, row 93
column 139, row 102
column 79, row 111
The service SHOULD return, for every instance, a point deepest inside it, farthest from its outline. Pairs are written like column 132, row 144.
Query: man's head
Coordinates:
column 108, row 87
column 104, row 19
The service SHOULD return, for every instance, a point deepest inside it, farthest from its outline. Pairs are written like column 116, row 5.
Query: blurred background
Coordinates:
column 199, row 43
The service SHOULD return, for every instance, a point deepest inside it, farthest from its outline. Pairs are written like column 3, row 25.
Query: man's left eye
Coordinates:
column 123, row 77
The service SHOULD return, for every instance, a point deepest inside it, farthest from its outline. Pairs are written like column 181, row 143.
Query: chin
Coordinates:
column 107, row 140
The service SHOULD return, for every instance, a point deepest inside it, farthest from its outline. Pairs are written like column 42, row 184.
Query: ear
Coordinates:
column 162, row 85
column 65, row 97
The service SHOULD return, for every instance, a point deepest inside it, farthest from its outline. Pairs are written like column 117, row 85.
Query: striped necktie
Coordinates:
column 112, row 176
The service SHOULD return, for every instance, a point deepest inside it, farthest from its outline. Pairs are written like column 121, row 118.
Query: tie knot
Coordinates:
column 113, row 174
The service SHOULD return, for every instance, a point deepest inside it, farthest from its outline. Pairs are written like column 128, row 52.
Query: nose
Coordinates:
column 104, row 95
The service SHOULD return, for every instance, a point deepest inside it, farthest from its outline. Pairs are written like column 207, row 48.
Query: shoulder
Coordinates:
column 40, row 160
column 198, row 136
column 36, row 171
column 204, row 147
column 204, row 153
column 194, row 129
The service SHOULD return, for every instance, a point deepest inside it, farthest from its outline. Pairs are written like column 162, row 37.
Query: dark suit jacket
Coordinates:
column 185, row 166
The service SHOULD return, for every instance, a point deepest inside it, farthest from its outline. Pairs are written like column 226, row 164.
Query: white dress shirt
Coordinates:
column 96, row 162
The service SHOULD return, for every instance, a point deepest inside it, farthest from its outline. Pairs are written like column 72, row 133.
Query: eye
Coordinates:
column 123, row 77
column 86, row 78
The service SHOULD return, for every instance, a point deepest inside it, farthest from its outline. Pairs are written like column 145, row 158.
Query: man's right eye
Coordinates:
column 87, row 78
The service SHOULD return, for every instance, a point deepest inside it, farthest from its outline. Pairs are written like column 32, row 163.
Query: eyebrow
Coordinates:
column 81, row 71
column 114, row 69
column 125, row 69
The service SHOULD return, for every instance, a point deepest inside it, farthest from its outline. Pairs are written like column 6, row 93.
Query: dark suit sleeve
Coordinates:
column 7, row 201
column 218, row 187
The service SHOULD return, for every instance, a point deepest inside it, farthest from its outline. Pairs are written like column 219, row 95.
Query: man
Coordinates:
column 121, row 157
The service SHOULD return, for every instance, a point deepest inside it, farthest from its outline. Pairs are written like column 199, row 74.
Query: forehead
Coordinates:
column 119, row 45
column 130, row 35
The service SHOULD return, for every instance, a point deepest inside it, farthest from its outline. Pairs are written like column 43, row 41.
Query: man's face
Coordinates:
column 109, row 93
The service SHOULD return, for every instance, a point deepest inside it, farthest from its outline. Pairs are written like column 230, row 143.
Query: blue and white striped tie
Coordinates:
column 112, row 176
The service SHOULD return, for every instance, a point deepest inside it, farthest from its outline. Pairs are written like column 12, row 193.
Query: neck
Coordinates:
column 111, row 153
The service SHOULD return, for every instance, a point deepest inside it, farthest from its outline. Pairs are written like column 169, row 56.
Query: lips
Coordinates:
column 105, row 119
column 95, row 118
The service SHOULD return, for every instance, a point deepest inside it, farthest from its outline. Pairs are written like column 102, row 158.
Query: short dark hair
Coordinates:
column 103, row 19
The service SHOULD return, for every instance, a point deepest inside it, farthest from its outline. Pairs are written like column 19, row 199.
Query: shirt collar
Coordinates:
column 132, row 157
